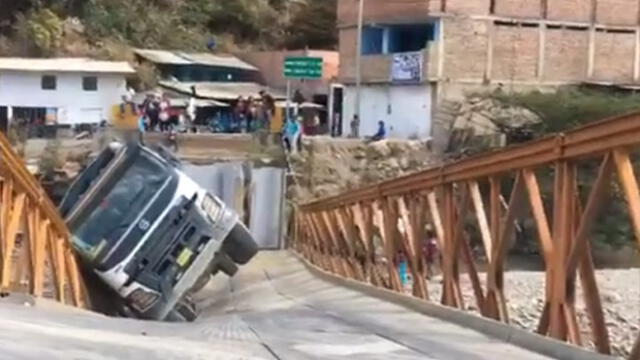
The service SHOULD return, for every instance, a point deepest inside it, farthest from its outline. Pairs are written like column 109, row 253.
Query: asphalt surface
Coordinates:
column 273, row 309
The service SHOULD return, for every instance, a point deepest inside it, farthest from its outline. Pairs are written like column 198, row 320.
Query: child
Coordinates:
column 430, row 250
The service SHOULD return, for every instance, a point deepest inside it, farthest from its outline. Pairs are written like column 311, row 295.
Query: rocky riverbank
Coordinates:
column 619, row 290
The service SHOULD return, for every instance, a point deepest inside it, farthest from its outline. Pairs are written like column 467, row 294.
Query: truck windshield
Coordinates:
column 116, row 207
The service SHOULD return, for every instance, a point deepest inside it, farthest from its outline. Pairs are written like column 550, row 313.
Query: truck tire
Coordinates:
column 240, row 245
column 184, row 311
column 226, row 265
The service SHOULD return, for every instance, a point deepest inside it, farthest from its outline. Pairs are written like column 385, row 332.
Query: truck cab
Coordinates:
column 150, row 233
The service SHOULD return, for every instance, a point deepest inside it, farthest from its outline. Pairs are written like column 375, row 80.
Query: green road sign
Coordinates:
column 303, row 67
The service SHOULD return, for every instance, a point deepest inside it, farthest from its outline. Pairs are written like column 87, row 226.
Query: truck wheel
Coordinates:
column 184, row 311
column 240, row 245
column 226, row 265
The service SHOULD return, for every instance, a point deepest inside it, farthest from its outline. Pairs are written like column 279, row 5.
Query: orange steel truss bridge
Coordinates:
column 488, row 193
column 35, row 252
column 337, row 233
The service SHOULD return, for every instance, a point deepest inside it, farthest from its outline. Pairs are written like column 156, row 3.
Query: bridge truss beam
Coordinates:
column 35, row 252
column 561, row 183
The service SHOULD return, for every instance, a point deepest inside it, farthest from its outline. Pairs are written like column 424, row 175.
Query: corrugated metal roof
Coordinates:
column 217, row 60
column 84, row 65
column 181, row 58
column 162, row 57
column 222, row 90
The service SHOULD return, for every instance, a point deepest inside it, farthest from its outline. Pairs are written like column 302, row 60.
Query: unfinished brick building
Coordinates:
column 459, row 45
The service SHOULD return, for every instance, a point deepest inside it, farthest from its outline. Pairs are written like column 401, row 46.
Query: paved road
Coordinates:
column 273, row 309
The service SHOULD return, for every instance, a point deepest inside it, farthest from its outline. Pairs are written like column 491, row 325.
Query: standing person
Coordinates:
column 430, row 250
column 268, row 107
column 164, row 115
column 151, row 108
column 336, row 126
column 142, row 127
column 355, row 125
column 403, row 268
column 291, row 135
column 153, row 112
column 191, row 111
column 239, row 114
column 251, row 114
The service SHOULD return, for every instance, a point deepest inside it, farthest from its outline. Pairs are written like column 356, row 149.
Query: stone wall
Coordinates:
column 475, row 7
column 614, row 56
column 566, row 54
column 574, row 10
column 519, row 8
column 515, row 52
column 617, row 12
column 465, row 48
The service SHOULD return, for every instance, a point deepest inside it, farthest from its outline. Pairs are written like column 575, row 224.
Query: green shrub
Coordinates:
column 566, row 109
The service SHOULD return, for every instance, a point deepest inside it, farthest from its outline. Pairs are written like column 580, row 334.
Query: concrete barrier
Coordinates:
column 507, row 333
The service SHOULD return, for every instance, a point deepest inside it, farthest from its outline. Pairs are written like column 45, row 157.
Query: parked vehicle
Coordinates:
column 150, row 233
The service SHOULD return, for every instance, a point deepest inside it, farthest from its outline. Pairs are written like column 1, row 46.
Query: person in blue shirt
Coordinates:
column 381, row 134
column 142, row 128
column 291, row 134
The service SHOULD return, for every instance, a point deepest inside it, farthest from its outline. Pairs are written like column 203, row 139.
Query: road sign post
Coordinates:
column 301, row 68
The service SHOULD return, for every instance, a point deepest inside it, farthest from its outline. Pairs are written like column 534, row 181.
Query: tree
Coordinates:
column 313, row 25
column 41, row 31
column 249, row 21
column 566, row 109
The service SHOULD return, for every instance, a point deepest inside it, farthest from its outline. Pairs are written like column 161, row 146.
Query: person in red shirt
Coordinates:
column 430, row 250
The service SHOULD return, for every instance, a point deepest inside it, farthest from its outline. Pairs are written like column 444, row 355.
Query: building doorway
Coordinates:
column 4, row 119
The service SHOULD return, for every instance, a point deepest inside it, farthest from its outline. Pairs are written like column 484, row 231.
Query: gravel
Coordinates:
column 620, row 295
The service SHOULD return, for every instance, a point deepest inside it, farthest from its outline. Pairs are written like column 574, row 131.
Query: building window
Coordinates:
column 407, row 38
column 49, row 82
column 394, row 39
column 90, row 83
column 372, row 40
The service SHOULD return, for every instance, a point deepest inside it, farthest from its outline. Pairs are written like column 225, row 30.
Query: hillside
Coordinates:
column 107, row 28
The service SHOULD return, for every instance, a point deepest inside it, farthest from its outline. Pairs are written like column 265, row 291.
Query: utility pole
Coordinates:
column 356, row 127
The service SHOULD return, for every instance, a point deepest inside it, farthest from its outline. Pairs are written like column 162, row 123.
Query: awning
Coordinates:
column 226, row 91
column 304, row 105
column 177, row 99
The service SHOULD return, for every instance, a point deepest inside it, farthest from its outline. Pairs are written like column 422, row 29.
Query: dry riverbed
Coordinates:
column 619, row 290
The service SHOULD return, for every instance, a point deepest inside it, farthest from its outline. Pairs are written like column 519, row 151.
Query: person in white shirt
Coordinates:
column 164, row 113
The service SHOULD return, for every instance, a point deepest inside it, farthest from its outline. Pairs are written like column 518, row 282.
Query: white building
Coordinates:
column 61, row 91
column 405, row 109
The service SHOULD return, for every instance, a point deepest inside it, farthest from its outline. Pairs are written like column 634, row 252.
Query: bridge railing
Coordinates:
column 485, row 198
column 35, row 252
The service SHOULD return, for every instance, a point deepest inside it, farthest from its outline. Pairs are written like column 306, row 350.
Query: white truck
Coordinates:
column 150, row 233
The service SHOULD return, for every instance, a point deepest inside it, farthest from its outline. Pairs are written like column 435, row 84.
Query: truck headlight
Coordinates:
column 211, row 207
column 142, row 300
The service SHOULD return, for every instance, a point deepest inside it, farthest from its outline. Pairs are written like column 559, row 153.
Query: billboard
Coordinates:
column 407, row 67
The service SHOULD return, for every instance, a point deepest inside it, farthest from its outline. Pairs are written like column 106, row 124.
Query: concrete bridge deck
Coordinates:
column 273, row 309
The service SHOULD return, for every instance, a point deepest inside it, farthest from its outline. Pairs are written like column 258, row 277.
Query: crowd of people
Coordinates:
column 247, row 114
column 252, row 113
column 156, row 114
